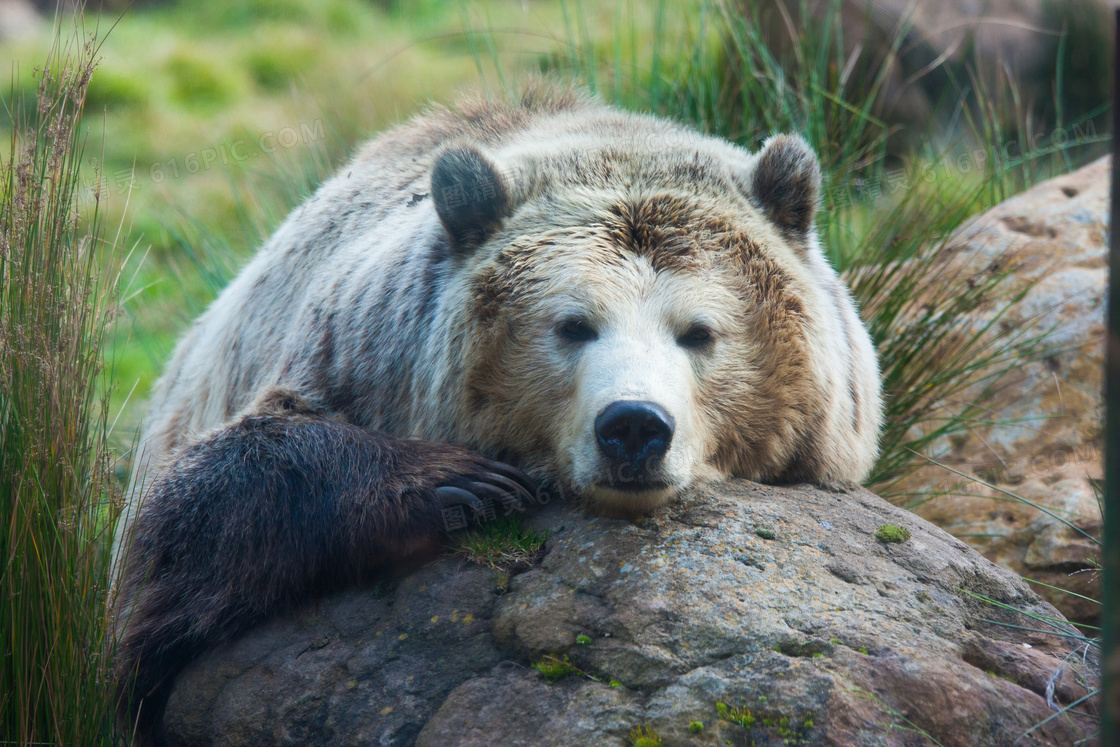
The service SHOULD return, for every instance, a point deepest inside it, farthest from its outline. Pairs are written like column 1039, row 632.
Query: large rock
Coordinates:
column 777, row 601
column 1042, row 437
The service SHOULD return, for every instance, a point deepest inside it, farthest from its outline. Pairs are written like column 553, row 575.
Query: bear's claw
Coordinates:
column 491, row 480
column 511, row 487
column 489, row 491
column 508, row 472
column 452, row 496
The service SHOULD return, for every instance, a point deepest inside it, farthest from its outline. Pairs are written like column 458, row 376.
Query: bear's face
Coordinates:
column 616, row 354
column 635, row 325
column 638, row 343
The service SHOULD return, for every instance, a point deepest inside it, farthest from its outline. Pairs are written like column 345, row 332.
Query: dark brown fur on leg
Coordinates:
column 269, row 511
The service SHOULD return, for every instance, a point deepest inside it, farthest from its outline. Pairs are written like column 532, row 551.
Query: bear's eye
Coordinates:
column 697, row 336
column 577, row 330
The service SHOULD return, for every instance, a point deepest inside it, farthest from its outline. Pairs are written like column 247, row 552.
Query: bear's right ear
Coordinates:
column 786, row 184
column 470, row 195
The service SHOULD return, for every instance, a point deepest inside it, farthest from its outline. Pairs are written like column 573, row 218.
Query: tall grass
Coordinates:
column 58, row 500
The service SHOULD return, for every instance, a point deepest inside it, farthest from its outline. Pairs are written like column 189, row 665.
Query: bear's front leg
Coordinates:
column 275, row 508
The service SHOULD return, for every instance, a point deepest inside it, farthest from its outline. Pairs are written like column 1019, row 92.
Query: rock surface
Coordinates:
column 1044, row 440
column 776, row 601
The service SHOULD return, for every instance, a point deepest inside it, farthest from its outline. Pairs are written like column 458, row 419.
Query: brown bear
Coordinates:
column 490, row 295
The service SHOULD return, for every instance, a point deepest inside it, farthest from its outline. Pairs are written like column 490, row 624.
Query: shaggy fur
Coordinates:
column 492, row 275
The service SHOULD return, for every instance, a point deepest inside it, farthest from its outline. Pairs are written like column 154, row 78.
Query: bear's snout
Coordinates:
column 634, row 431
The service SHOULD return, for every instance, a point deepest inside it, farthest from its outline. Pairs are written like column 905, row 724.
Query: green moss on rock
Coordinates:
column 891, row 533
column 554, row 668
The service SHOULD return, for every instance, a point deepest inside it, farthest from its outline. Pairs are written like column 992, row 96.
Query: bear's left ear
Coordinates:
column 469, row 193
column 786, row 184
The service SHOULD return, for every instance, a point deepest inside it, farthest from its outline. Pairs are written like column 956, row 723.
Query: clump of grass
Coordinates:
column 735, row 715
column 58, row 499
column 502, row 544
column 644, row 735
column 766, row 534
column 696, row 726
column 890, row 533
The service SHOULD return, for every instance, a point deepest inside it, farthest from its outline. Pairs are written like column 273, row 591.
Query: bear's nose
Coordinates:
column 633, row 431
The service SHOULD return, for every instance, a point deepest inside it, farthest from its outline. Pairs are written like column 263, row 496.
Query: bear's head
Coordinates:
column 640, row 315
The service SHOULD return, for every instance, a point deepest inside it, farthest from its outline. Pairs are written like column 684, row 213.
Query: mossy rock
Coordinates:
column 687, row 625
